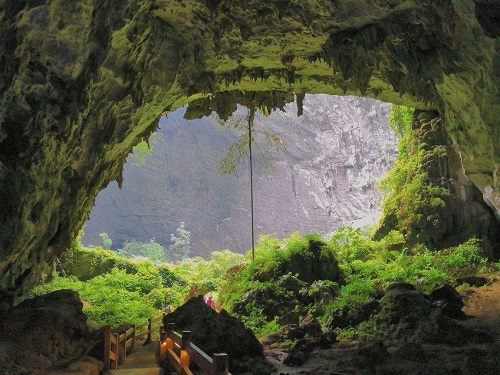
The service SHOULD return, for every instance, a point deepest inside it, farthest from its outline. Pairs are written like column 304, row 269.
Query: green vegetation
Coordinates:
column 181, row 243
column 416, row 190
column 366, row 266
column 119, row 290
column 106, row 241
column 331, row 279
column 142, row 150
column 151, row 250
column 263, row 142
column 400, row 119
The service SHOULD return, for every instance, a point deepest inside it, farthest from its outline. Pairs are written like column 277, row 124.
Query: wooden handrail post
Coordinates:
column 132, row 346
column 170, row 332
column 148, row 340
column 184, row 360
column 117, row 352
column 124, row 345
column 220, row 364
column 107, row 346
column 161, row 346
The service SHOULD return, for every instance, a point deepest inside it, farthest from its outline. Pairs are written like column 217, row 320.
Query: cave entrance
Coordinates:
column 312, row 173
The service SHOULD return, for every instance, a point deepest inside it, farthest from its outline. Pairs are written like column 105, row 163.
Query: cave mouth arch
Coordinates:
column 81, row 84
column 312, row 173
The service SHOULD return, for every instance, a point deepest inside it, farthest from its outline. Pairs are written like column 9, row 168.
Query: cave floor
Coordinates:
column 482, row 305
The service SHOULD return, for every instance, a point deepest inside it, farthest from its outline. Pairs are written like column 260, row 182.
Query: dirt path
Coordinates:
column 482, row 304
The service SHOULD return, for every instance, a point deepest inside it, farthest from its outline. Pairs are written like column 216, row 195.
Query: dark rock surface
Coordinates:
column 462, row 213
column 407, row 314
column 47, row 333
column 446, row 297
column 217, row 333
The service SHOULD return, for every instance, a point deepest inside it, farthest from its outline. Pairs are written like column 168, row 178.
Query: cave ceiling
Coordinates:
column 82, row 82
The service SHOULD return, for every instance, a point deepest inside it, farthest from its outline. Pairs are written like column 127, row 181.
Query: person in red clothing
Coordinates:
column 210, row 302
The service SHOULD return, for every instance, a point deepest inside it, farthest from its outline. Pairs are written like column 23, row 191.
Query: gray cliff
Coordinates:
column 336, row 152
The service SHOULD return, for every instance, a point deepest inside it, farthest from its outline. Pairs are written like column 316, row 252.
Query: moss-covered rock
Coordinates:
column 82, row 82
column 429, row 198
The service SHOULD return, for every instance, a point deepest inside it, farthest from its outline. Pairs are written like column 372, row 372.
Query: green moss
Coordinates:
column 415, row 192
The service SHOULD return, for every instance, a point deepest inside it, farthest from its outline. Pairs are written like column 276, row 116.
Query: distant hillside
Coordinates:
column 337, row 151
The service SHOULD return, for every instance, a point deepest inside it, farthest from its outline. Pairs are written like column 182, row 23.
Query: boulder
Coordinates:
column 371, row 354
column 39, row 332
column 311, row 326
column 409, row 315
column 294, row 332
column 346, row 317
column 449, row 300
column 476, row 281
column 272, row 301
column 311, row 264
column 216, row 332
column 308, row 336
column 295, row 358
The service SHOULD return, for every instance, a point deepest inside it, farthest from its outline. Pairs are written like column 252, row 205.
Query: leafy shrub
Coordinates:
column 150, row 250
column 277, row 281
column 88, row 263
column 114, row 298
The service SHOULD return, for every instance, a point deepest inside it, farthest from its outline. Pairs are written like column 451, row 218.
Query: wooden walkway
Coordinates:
column 123, row 355
column 142, row 361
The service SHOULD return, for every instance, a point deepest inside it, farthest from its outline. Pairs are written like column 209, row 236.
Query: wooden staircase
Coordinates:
column 143, row 361
column 174, row 351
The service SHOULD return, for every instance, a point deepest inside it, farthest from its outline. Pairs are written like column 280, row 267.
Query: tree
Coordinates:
column 233, row 156
column 264, row 143
column 151, row 250
column 181, row 246
column 106, row 241
column 400, row 119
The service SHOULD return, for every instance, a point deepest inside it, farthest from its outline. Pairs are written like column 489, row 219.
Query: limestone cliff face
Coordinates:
column 335, row 154
column 82, row 82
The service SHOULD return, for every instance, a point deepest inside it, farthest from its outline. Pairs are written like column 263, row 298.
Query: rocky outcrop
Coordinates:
column 48, row 333
column 406, row 314
column 431, row 200
column 81, row 83
column 217, row 333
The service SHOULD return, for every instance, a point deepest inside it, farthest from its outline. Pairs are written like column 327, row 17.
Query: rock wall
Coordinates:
column 431, row 200
column 335, row 154
column 81, row 83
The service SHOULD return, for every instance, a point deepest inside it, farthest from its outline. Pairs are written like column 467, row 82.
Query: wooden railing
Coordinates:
column 117, row 346
column 178, row 351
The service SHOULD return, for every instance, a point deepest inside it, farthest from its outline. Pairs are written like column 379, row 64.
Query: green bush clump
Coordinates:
column 86, row 263
column 254, row 290
column 370, row 266
column 127, row 291
column 279, row 280
column 205, row 272
column 116, row 297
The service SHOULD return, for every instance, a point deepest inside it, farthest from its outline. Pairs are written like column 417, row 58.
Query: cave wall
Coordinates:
column 429, row 199
column 82, row 82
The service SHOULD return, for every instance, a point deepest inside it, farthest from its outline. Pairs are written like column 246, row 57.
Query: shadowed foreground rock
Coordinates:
column 47, row 334
column 220, row 333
